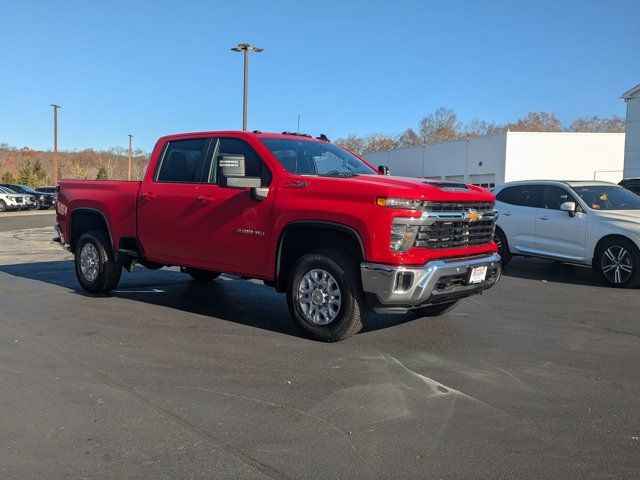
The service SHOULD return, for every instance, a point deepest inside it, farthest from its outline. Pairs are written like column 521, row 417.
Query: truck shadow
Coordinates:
column 246, row 302
column 552, row 272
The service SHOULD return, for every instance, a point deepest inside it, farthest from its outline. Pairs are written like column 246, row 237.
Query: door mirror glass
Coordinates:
column 231, row 172
column 569, row 207
column 383, row 169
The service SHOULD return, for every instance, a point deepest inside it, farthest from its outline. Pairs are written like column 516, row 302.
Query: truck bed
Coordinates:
column 116, row 200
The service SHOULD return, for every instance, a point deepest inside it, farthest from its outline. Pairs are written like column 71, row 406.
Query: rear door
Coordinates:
column 170, row 210
column 517, row 206
column 558, row 234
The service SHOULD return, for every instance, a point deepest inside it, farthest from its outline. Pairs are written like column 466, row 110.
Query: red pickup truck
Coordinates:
column 304, row 215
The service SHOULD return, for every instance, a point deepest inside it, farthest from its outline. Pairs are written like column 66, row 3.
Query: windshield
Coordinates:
column 316, row 158
column 6, row 190
column 608, row 197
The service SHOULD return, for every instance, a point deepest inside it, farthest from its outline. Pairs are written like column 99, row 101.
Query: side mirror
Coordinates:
column 383, row 169
column 569, row 207
column 231, row 173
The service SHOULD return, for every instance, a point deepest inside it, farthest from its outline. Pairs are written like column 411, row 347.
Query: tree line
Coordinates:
column 25, row 166
column 444, row 125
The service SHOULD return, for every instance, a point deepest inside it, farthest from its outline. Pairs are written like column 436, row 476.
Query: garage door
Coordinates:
column 455, row 178
column 484, row 180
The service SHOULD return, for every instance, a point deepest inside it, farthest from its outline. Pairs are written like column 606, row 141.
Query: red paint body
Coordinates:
column 174, row 227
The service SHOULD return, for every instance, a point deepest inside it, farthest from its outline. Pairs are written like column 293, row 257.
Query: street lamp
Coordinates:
column 246, row 48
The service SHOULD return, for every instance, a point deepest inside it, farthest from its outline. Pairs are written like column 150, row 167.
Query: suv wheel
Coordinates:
column 503, row 246
column 618, row 263
column 325, row 295
column 200, row 275
column 435, row 310
column 96, row 268
column 3, row 206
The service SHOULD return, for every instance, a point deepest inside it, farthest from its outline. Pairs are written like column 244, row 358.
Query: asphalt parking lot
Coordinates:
column 537, row 378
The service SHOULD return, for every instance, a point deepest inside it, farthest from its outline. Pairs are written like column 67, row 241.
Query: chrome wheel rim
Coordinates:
column 319, row 297
column 617, row 264
column 89, row 262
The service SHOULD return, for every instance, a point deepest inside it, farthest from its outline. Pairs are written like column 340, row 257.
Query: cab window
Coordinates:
column 522, row 195
column 254, row 165
column 556, row 196
column 183, row 161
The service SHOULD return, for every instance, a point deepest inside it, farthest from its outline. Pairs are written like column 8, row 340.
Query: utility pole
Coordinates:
column 55, row 143
column 246, row 48
column 129, row 174
column 298, row 130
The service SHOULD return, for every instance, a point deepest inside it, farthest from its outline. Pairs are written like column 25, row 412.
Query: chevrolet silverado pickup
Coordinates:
column 304, row 215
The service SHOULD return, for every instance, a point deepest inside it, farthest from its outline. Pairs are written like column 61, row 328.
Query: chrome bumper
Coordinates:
column 434, row 282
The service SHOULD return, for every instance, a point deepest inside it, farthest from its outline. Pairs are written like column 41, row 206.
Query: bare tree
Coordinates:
column 537, row 122
column 379, row 141
column 352, row 142
column 409, row 138
column 440, row 126
column 596, row 124
column 478, row 127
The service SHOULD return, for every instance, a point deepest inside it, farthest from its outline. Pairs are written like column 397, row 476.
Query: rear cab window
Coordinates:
column 183, row 161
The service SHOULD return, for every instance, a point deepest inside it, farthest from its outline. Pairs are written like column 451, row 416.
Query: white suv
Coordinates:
column 588, row 223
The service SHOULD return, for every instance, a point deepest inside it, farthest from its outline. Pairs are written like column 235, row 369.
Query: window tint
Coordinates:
column 183, row 161
column 254, row 166
column 556, row 196
column 522, row 195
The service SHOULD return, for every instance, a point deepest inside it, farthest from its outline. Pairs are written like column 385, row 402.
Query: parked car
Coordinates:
column 10, row 201
column 631, row 184
column 302, row 214
column 25, row 202
column 43, row 200
column 588, row 223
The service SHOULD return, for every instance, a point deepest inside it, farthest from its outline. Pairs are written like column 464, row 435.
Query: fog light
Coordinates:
column 404, row 280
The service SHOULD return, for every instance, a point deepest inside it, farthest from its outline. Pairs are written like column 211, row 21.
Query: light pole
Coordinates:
column 55, row 143
column 129, row 174
column 246, row 48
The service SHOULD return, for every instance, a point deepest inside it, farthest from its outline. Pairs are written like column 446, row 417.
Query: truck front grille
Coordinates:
column 457, row 225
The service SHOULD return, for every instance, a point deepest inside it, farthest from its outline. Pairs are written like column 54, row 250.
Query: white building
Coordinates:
column 632, row 141
column 510, row 156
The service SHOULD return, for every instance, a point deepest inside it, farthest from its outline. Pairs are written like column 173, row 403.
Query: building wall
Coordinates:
column 494, row 159
column 632, row 141
column 564, row 156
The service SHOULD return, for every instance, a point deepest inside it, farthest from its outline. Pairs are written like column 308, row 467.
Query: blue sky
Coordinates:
column 155, row 67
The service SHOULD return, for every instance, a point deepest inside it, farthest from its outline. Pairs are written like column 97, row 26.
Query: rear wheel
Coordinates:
column 503, row 246
column 618, row 263
column 96, row 268
column 325, row 295
column 201, row 275
column 435, row 310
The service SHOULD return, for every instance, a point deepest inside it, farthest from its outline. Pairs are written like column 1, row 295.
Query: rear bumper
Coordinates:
column 396, row 287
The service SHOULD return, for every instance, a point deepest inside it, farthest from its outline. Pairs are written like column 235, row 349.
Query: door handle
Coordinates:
column 148, row 195
column 544, row 217
column 507, row 214
column 206, row 199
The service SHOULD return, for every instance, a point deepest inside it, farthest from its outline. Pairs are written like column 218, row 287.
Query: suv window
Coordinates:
column 254, row 165
column 522, row 195
column 183, row 161
column 556, row 196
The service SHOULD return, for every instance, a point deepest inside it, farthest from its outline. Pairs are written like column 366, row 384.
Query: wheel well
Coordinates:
column 300, row 240
column 613, row 236
column 83, row 221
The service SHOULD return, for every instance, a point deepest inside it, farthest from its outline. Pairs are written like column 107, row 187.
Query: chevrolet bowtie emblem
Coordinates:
column 472, row 215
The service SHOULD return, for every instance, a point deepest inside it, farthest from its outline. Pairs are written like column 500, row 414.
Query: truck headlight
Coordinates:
column 402, row 203
column 403, row 236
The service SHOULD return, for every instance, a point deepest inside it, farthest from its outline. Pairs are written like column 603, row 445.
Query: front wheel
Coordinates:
column 618, row 263
column 503, row 246
column 325, row 295
column 96, row 268
column 435, row 310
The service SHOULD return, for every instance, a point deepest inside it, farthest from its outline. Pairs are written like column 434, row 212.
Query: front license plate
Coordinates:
column 478, row 274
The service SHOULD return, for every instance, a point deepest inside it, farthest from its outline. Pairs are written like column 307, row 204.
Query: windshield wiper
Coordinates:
column 339, row 174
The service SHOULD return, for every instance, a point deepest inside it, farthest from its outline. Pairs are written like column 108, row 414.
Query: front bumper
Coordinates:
column 396, row 287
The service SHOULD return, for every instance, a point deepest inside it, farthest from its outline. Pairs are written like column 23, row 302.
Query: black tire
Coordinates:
column 351, row 312
column 109, row 270
column 435, row 310
column 630, row 260
column 503, row 246
column 201, row 275
column 36, row 206
column 3, row 206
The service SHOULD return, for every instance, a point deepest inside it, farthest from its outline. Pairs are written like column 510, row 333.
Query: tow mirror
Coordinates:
column 231, row 173
column 569, row 207
column 383, row 169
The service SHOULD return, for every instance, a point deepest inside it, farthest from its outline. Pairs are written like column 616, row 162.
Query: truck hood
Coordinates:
column 415, row 188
